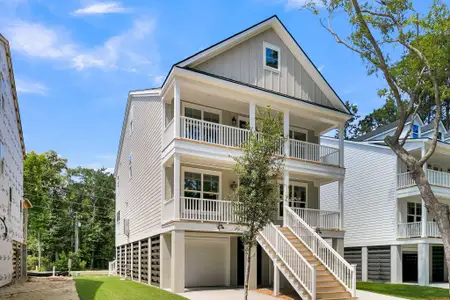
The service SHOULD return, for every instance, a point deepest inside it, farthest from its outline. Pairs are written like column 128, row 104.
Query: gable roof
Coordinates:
column 275, row 23
column 14, row 93
column 382, row 129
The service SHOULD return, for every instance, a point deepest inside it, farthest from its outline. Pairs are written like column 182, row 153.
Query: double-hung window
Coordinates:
column 206, row 131
column 271, row 57
column 414, row 212
column 200, row 184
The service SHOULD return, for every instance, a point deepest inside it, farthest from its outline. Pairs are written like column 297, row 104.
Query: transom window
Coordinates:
column 414, row 212
column 271, row 57
column 297, row 197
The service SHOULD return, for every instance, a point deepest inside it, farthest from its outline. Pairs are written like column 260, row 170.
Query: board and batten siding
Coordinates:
column 244, row 63
column 139, row 198
column 370, row 194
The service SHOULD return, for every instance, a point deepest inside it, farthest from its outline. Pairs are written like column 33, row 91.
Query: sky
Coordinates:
column 76, row 60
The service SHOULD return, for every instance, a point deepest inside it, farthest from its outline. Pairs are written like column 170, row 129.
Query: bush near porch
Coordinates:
column 408, row 291
column 108, row 288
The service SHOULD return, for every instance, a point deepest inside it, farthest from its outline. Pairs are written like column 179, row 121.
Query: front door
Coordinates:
column 409, row 267
column 437, row 273
column 240, row 263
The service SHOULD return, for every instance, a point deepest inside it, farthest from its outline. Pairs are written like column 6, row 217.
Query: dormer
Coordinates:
column 428, row 131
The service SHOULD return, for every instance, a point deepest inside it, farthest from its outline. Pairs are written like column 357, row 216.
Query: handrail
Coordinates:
column 324, row 219
column 303, row 271
column 200, row 209
column 437, row 178
column 313, row 152
column 338, row 266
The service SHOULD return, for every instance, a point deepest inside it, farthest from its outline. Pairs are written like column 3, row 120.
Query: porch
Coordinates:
column 199, row 113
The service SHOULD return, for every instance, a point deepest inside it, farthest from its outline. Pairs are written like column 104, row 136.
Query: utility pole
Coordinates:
column 76, row 233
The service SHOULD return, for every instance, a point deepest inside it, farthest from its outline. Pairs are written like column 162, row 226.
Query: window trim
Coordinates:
column 202, row 172
column 293, row 183
column 298, row 129
column 416, row 204
column 272, row 47
column 202, row 109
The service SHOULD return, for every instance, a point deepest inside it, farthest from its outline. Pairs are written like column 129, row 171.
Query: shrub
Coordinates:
column 62, row 263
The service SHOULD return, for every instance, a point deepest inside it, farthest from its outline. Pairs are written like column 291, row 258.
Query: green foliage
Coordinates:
column 33, row 262
column 257, row 171
column 60, row 195
column 406, row 291
column 351, row 126
column 384, row 115
column 62, row 263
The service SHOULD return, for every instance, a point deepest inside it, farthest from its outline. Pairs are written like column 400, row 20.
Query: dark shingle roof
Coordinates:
column 377, row 131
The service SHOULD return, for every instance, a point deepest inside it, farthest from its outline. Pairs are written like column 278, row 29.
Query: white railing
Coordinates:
column 208, row 210
column 409, row 230
column 168, row 212
column 323, row 219
column 169, row 133
column 434, row 177
column 213, row 133
column 414, row 230
column 433, row 230
column 313, row 152
column 112, row 268
column 303, row 271
column 338, row 266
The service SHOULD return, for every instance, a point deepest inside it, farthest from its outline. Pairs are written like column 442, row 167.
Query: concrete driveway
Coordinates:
column 226, row 294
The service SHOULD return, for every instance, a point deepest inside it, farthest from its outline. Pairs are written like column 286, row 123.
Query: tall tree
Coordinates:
column 384, row 115
column 377, row 29
column 351, row 128
column 257, row 196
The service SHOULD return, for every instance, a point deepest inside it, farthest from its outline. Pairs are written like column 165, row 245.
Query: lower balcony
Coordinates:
column 414, row 230
column 439, row 180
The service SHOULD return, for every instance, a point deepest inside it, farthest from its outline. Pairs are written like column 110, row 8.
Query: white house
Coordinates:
column 389, row 233
column 175, row 227
column 13, row 216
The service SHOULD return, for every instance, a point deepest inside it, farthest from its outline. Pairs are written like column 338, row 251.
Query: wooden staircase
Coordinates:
column 328, row 286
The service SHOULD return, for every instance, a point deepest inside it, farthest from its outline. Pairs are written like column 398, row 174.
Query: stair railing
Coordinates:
column 303, row 271
column 333, row 261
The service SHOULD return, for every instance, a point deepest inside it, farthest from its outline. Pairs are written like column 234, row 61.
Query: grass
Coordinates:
column 112, row 288
column 407, row 291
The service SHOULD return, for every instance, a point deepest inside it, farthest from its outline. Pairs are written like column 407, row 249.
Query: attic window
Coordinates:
column 439, row 136
column 271, row 57
column 415, row 131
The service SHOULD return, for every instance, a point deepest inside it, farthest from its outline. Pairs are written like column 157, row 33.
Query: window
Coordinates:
column 414, row 213
column 130, row 165
column 10, row 200
column 298, row 135
column 2, row 158
column 415, row 131
column 200, row 131
column 439, row 136
column 199, row 184
column 297, row 197
column 118, row 216
column 271, row 57
column 117, row 185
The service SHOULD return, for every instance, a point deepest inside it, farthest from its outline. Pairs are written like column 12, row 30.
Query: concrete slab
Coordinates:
column 363, row 295
column 223, row 294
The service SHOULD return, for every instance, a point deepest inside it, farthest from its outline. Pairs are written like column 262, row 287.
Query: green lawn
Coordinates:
column 112, row 288
column 404, row 290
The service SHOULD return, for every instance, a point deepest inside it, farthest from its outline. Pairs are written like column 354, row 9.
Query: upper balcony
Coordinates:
column 213, row 123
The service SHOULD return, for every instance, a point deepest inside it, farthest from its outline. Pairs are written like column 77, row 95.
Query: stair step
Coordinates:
column 327, row 283
column 328, row 288
column 327, row 295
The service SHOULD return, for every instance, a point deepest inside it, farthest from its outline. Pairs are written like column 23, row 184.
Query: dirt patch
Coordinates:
column 283, row 295
column 47, row 288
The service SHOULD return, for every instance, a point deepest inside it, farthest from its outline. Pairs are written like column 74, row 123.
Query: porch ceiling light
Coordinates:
column 220, row 226
column 233, row 121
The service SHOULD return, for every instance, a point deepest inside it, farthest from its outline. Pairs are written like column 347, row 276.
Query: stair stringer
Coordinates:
column 283, row 268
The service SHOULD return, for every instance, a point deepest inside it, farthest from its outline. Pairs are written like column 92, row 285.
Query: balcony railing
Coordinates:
column 219, row 134
column 434, row 177
column 414, row 230
column 319, row 218
column 208, row 210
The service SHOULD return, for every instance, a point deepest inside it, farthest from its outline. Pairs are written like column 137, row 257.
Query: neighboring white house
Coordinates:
column 388, row 231
column 175, row 227
column 12, row 152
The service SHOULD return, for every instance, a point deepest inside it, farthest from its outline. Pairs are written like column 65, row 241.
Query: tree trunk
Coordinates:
column 247, row 271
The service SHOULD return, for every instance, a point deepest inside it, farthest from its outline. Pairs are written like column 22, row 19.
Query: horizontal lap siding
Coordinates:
column 370, row 195
column 244, row 63
column 143, row 190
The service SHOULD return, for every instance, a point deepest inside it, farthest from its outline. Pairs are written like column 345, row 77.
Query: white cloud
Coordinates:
column 131, row 50
column 26, row 86
column 101, row 8
column 321, row 67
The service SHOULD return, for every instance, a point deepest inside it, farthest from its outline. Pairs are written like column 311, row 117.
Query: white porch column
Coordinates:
column 276, row 280
column 285, row 194
column 341, row 203
column 139, row 262
column 176, row 185
column 341, row 145
column 177, row 265
column 423, row 264
column 165, row 260
column 396, row 264
column 177, row 109
column 424, row 208
column 338, row 245
column 252, row 116
column 253, row 279
column 364, row 264
column 286, row 132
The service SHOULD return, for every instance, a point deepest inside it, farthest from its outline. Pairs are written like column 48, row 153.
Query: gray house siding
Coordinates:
column 244, row 63
column 139, row 199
